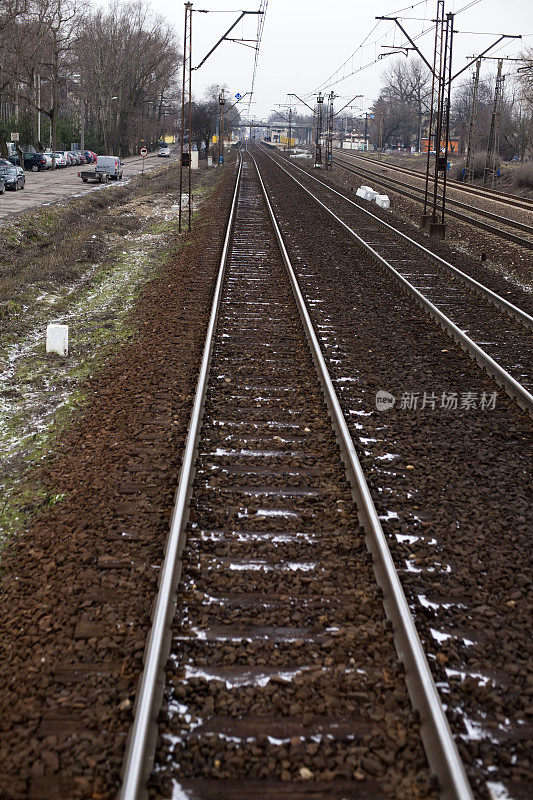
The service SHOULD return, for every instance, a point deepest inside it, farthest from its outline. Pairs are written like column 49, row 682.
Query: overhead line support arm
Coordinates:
column 222, row 38
column 422, row 56
column 503, row 36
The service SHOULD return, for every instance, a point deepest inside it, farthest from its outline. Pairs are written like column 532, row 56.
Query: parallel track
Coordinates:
column 245, row 401
column 416, row 194
column 494, row 195
column 440, row 296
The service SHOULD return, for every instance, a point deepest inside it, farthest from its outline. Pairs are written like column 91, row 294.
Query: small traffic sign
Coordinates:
column 144, row 152
column 14, row 137
column 238, row 96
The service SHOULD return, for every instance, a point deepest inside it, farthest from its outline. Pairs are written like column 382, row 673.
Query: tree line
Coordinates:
column 399, row 118
column 64, row 64
column 401, row 112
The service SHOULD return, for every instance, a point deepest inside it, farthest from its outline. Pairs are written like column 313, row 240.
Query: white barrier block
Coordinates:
column 371, row 194
column 57, row 339
column 194, row 159
column 209, row 161
column 382, row 200
column 184, row 203
column 361, row 192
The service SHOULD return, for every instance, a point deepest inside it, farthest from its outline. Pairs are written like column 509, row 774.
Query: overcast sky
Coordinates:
column 306, row 41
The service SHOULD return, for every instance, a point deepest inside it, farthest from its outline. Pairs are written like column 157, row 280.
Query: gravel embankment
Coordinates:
column 283, row 679
column 452, row 486
column 78, row 586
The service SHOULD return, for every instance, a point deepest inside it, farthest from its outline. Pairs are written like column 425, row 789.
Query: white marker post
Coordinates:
column 57, row 339
column 144, row 153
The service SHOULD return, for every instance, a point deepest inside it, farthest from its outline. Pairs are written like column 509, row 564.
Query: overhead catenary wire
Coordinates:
column 361, row 45
column 260, row 26
column 330, row 82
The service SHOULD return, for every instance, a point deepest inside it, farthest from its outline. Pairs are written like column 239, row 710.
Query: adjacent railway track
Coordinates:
column 280, row 665
column 494, row 195
column 500, row 342
column 504, row 228
column 449, row 483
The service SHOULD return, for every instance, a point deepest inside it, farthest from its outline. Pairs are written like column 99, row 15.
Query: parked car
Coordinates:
column 77, row 156
column 14, row 177
column 107, row 168
column 83, row 158
column 90, row 156
column 164, row 152
column 110, row 164
column 2, row 185
column 60, row 159
column 35, row 161
column 69, row 158
column 48, row 157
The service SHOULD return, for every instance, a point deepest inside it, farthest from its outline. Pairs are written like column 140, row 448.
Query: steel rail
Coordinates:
column 494, row 195
column 437, row 738
column 500, row 375
column 511, row 223
column 500, row 302
column 142, row 737
column 477, row 223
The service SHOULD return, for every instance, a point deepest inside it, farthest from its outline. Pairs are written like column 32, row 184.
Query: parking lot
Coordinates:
column 48, row 186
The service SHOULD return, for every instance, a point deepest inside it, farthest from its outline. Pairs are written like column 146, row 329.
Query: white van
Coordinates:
column 112, row 165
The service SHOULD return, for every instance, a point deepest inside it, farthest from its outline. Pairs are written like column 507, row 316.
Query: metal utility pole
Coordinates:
column 186, row 101
column 329, row 132
column 222, row 103
column 469, row 167
column 292, row 94
column 493, row 148
column 441, row 82
column 185, row 158
column 82, row 121
column 39, row 109
column 318, row 131
column 437, row 226
column 367, row 117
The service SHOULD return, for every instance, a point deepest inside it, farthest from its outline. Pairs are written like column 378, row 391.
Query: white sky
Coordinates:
column 306, row 41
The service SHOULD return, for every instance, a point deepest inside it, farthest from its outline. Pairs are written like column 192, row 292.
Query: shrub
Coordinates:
column 523, row 176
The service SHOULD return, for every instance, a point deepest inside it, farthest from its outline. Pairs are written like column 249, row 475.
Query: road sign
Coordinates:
column 144, row 152
column 238, row 96
column 14, row 137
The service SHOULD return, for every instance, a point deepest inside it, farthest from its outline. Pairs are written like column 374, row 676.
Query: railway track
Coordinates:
column 500, row 341
column 449, row 484
column 494, row 195
column 282, row 677
column 504, row 228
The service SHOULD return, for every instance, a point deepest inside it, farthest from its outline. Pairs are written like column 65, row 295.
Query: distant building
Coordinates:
column 453, row 146
column 354, row 141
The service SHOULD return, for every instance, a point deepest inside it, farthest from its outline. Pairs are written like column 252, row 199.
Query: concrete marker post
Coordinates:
column 57, row 339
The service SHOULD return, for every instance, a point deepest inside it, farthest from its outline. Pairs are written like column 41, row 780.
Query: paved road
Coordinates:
column 45, row 187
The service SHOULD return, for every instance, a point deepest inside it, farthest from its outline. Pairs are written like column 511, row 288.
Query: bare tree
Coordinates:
column 128, row 61
column 403, row 103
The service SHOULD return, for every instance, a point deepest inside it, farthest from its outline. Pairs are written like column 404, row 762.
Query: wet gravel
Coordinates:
column 77, row 587
column 451, row 483
column 475, row 204
column 283, row 680
column 491, row 260
column 504, row 338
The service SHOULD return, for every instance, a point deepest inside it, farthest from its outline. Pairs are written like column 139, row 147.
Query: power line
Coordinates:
column 361, row 45
column 260, row 26
column 329, row 83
